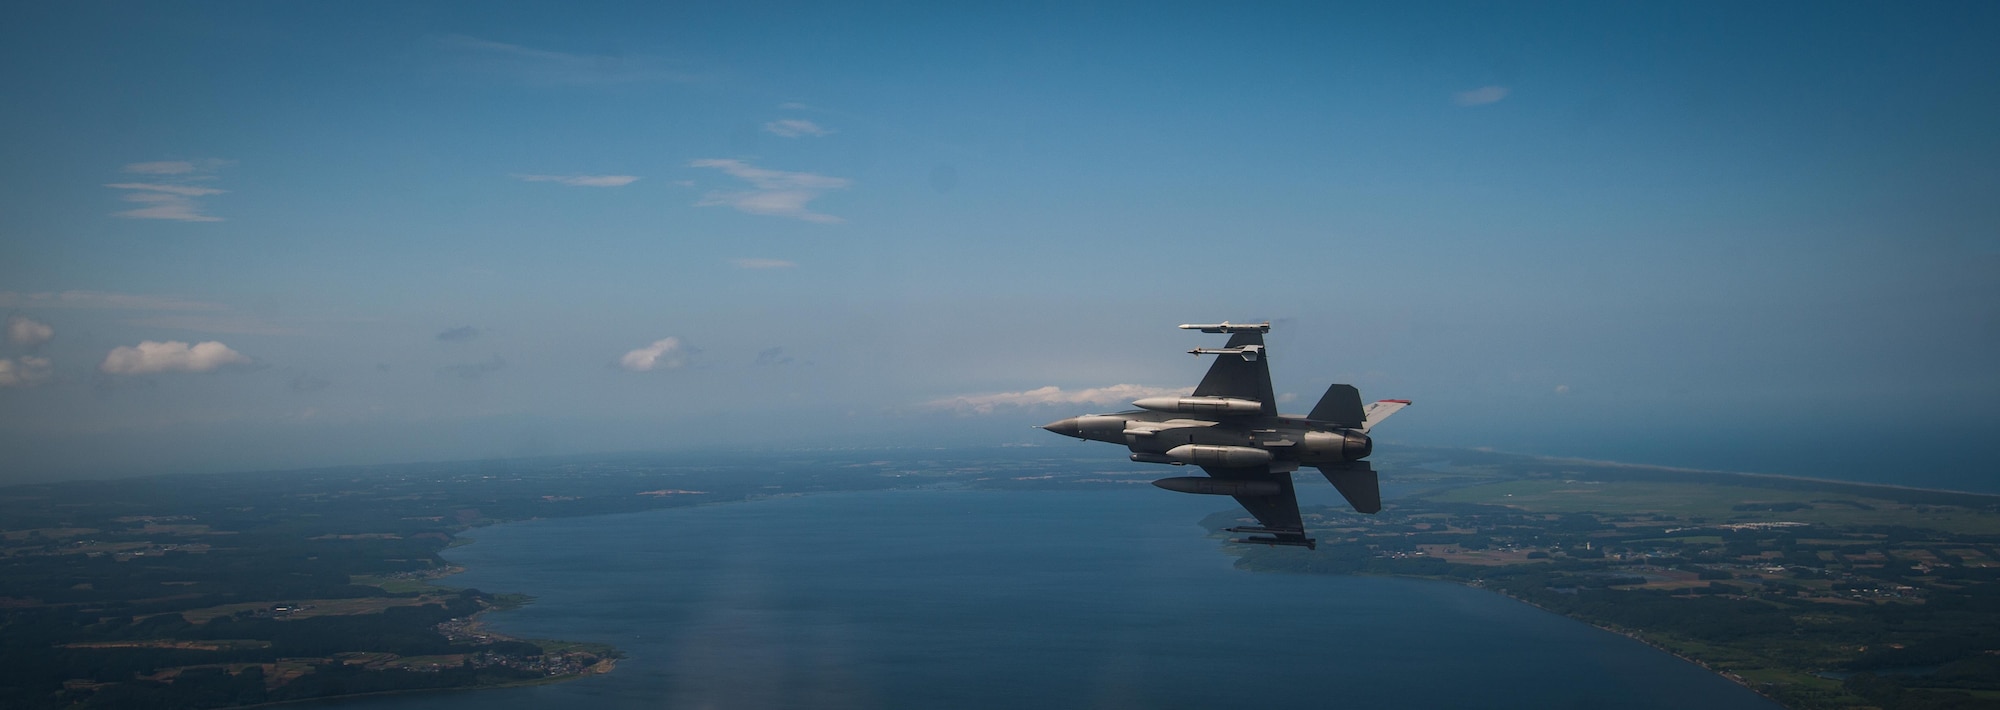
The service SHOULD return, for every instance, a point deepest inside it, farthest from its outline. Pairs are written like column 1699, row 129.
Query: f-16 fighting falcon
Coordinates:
column 1231, row 428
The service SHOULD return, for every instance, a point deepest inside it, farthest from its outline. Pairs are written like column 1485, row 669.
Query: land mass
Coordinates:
column 1817, row 594
column 208, row 591
column 247, row 589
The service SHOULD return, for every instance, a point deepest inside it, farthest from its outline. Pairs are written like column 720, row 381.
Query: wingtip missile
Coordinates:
column 1228, row 327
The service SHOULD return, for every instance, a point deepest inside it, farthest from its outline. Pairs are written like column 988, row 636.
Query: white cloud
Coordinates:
column 795, row 127
column 25, row 372
column 165, row 206
column 583, row 180
column 664, row 353
column 1562, row 389
column 179, row 190
column 778, row 193
column 546, row 67
column 104, row 300
column 1052, row 395
column 164, row 167
column 763, row 263
column 27, row 332
column 1481, row 96
column 174, row 199
column 150, row 357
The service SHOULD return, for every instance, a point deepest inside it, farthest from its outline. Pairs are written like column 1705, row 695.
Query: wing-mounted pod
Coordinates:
column 1201, row 405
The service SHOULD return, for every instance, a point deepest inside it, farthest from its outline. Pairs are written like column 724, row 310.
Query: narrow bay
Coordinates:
column 979, row 599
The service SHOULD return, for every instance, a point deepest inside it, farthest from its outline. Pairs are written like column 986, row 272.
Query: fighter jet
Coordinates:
column 1231, row 428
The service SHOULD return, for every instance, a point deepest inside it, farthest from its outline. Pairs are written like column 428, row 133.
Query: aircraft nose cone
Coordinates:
column 1066, row 427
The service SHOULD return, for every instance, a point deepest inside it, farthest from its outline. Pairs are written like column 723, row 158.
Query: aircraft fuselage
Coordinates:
column 1155, row 437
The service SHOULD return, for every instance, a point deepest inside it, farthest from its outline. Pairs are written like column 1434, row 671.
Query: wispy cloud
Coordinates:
column 458, row 335
column 475, row 370
column 663, row 354
column 149, row 357
column 104, row 300
column 763, row 263
column 772, row 357
column 164, row 167
column 1045, row 396
column 24, row 372
column 176, row 190
column 173, row 198
column 25, row 332
column 1481, row 96
column 778, row 193
column 546, row 67
column 795, row 128
column 583, row 180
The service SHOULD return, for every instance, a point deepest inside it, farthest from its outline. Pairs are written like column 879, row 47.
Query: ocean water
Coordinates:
column 975, row 599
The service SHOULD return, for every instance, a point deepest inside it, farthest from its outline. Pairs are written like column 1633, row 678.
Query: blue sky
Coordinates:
column 433, row 230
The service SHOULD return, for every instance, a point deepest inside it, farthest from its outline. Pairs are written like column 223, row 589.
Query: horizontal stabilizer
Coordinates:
column 1357, row 482
column 1381, row 410
column 1341, row 407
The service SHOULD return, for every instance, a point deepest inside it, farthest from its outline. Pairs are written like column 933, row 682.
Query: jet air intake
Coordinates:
column 1203, row 485
column 1224, row 456
column 1201, row 405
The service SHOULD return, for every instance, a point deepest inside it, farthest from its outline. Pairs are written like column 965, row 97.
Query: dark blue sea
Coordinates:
column 970, row 599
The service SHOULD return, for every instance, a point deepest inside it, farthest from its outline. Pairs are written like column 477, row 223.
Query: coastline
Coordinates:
column 608, row 655
column 1636, row 635
column 1628, row 633
column 395, row 525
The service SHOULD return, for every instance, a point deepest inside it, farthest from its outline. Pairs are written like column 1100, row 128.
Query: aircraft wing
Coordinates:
column 1278, row 514
column 1241, row 377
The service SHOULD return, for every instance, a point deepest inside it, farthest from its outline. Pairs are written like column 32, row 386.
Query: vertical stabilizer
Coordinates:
column 1341, row 407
